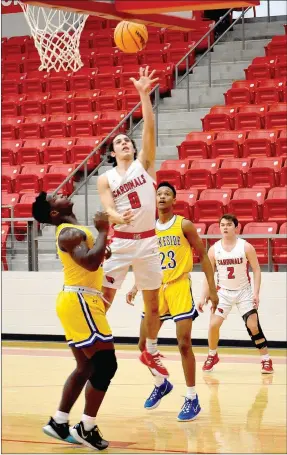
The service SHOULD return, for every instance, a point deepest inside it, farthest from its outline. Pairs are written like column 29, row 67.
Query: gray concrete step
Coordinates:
column 231, row 46
column 198, row 98
column 238, row 55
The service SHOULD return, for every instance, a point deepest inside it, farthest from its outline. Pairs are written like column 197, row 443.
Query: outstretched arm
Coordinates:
column 195, row 242
column 253, row 260
column 143, row 86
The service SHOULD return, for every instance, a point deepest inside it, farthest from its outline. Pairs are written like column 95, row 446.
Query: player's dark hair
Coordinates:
column 110, row 149
column 229, row 217
column 169, row 185
column 41, row 209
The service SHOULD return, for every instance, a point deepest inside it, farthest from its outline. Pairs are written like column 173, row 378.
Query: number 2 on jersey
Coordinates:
column 134, row 200
column 230, row 275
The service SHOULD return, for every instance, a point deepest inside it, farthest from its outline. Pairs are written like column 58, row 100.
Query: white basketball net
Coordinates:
column 56, row 35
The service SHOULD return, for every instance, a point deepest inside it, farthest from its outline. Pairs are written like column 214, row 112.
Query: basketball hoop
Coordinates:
column 56, row 35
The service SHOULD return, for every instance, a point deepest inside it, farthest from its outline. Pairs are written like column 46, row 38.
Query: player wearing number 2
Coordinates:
column 177, row 236
column 128, row 194
column 230, row 257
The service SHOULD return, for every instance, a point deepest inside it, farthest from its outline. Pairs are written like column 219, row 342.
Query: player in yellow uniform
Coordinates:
column 81, row 311
column 177, row 236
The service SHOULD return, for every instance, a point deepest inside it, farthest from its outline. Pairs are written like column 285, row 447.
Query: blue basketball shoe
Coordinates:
column 189, row 410
column 59, row 431
column 157, row 394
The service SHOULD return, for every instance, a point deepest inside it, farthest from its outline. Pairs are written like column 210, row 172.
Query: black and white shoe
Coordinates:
column 92, row 438
column 59, row 431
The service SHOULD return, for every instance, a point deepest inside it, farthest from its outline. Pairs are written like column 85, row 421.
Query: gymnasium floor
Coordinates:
column 243, row 411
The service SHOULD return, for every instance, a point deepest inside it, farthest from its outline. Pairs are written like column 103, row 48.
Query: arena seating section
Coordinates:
column 51, row 122
column 238, row 163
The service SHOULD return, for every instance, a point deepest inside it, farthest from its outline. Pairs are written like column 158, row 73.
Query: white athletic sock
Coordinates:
column 61, row 417
column 89, row 422
column 265, row 357
column 190, row 392
column 158, row 381
column 212, row 352
column 151, row 345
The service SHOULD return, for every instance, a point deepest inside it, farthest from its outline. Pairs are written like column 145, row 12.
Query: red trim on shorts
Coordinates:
column 134, row 235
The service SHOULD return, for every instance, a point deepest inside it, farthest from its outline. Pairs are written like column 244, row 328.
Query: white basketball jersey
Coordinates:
column 134, row 190
column 231, row 266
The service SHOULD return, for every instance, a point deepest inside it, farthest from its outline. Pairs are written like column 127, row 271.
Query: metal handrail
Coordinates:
column 210, row 47
column 196, row 44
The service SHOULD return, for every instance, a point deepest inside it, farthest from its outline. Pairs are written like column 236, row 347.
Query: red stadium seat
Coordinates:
column 261, row 177
column 243, row 90
column 29, row 155
column 11, row 127
column 196, row 145
column 260, row 143
column 110, row 100
column 238, row 96
column 281, row 144
column 9, row 152
column 55, row 155
column 173, row 177
column 201, row 230
column 58, row 103
column 180, row 166
column 269, row 163
column 250, row 117
column 220, row 118
column 201, row 174
column 22, row 210
column 109, row 121
column 276, row 117
column 177, row 50
column 9, row 174
column 59, row 83
column 188, row 196
column 30, row 179
column 247, row 204
column 52, row 180
column 80, row 152
column 260, row 245
column 260, row 70
column 281, row 68
column 243, row 164
column 275, row 206
column 230, row 178
column 276, row 47
column 211, row 206
column 228, row 144
column 8, row 202
column 279, row 247
column 181, row 208
column 269, row 91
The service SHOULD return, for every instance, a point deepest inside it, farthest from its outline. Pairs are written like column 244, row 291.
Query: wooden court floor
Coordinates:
column 243, row 411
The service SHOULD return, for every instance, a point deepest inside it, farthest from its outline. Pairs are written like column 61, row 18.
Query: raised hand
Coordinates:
column 145, row 81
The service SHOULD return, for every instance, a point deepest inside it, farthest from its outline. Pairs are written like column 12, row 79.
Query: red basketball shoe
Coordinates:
column 153, row 362
column 210, row 362
column 267, row 367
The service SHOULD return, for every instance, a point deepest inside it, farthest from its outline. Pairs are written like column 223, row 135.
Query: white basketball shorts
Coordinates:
column 142, row 255
column 242, row 298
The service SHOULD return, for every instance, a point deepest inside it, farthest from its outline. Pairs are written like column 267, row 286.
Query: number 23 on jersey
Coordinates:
column 167, row 260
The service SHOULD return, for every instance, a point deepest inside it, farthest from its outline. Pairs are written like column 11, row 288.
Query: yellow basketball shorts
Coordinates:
column 83, row 318
column 176, row 300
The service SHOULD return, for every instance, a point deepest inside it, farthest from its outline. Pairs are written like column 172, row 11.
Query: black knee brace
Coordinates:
column 105, row 366
column 259, row 335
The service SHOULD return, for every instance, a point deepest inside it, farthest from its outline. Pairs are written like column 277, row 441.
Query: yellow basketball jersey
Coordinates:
column 175, row 251
column 74, row 274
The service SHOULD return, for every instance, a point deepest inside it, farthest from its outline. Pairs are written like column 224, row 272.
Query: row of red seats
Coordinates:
column 257, row 91
column 65, row 125
column 51, row 151
column 85, row 79
column 247, row 204
column 96, row 38
column 267, row 67
column 96, row 58
column 82, row 101
column 231, row 173
column 245, row 117
column 36, row 178
column 237, row 144
column 277, row 46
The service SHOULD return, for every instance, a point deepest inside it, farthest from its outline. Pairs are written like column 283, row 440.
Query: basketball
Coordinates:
column 130, row 37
